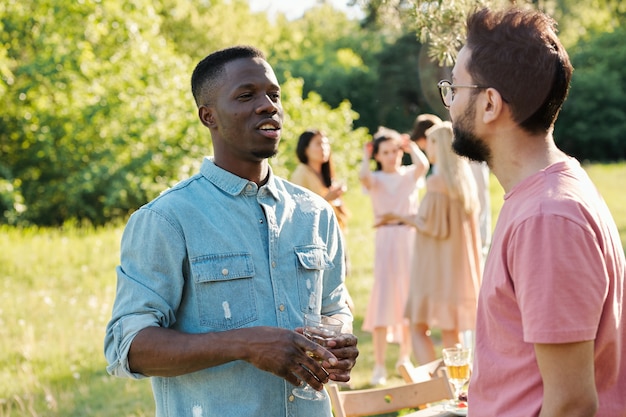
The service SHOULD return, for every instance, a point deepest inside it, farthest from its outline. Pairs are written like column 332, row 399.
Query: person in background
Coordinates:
column 447, row 261
column 550, row 331
column 392, row 187
column 217, row 272
column 422, row 123
column 480, row 171
column 316, row 173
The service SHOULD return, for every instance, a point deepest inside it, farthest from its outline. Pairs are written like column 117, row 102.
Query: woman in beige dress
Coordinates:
column 315, row 172
column 447, row 262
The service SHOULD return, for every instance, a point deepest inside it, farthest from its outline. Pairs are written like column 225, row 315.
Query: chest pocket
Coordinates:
column 312, row 261
column 224, row 290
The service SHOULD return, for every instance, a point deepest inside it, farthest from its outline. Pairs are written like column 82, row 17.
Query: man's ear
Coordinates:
column 492, row 105
column 206, row 115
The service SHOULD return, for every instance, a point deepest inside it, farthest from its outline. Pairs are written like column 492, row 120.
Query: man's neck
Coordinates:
column 519, row 156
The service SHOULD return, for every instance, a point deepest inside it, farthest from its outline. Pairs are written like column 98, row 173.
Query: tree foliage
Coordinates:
column 336, row 59
column 98, row 118
column 592, row 121
column 592, row 124
column 441, row 23
column 438, row 24
column 580, row 20
column 313, row 113
column 94, row 108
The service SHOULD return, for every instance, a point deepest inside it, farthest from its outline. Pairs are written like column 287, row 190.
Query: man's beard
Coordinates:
column 465, row 142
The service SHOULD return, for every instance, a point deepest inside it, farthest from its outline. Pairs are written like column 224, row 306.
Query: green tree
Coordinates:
column 438, row 24
column 407, row 83
column 94, row 110
column 334, row 57
column 97, row 115
column 592, row 124
column 579, row 20
column 196, row 28
column 312, row 113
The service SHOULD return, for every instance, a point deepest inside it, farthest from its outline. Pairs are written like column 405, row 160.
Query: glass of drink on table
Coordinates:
column 457, row 361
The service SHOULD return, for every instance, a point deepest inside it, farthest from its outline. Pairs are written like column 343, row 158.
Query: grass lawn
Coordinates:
column 57, row 287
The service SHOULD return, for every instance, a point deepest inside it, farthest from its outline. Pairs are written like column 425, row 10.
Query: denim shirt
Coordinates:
column 216, row 253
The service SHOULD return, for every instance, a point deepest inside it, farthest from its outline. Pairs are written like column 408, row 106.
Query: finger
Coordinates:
column 307, row 370
column 348, row 352
column 312, row 349
column 341, row 366
column 336, row 374
column 344, row 340
column 341, row 373
column 293, row 379
column 313, row 374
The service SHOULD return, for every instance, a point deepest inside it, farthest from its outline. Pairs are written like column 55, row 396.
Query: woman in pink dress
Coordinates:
column 392, row 188
column 447, row 266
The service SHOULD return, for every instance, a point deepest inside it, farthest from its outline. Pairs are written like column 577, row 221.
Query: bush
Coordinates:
column 592, row 124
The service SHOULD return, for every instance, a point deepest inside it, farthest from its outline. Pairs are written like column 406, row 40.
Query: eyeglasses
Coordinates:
column 447, row 91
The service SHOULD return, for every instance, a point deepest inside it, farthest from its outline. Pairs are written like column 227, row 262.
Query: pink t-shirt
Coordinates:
column 555, row 274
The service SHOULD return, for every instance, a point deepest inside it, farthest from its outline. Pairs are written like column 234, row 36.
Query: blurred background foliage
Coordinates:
column 97, row 117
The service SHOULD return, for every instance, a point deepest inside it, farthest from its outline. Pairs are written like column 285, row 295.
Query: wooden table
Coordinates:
column 434, row 411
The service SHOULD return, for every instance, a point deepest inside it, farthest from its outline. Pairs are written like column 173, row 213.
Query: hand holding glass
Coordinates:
column 320, row 329
column 457, row 361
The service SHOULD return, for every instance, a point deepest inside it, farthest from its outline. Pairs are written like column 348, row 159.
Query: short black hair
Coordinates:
column 211, row 67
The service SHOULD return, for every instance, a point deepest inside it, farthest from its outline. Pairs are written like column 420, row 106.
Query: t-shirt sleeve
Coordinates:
column 560, row 279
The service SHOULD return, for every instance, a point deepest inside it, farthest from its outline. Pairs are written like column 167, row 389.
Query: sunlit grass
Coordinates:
column 57, row 287
column 57, row 290
column 610, row 180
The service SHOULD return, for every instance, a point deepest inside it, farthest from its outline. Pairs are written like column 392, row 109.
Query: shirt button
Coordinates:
column 281, row 307
column 273, row 264
column 224, row 271
column 291, row 398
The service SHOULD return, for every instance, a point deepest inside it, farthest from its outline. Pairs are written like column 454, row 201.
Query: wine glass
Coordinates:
column 319, row 329
column 457, row 361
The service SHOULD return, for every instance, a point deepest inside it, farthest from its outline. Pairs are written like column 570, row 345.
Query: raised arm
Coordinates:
column 420, row 161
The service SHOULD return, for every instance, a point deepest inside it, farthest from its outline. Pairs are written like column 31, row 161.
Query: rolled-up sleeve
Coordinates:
column 117, row 343
column 149, row 285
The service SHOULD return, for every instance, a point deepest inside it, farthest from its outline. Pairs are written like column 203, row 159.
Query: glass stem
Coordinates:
column 457, row 391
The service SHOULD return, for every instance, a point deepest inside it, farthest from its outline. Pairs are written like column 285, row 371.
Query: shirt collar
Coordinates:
column 233, row 184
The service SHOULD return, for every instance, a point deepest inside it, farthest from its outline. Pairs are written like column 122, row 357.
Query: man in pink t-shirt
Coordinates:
column 550, row 336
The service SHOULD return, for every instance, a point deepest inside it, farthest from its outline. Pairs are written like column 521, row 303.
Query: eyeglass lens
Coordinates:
column 445, row 90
